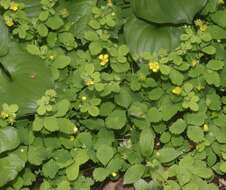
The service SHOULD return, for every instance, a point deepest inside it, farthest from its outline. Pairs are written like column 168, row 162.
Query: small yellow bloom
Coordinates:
column 14, row 6
column 154, row 66
column 104, row 59
column 64, row 13
column 89, row 82
column 177, row 90
column 9, row 21
column 194, row 62
column 220, row 2
column 75, row 130
column 21, row 150
column 84, row 98
column 4, row 115
column 114, row 174
column 157, row 153
column 72, row 138
column 205, row 128
column 51, row 57
column 201, row 25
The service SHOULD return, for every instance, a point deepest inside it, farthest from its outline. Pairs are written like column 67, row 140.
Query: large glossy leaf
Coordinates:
column 23, row 79
column 31, row 7
column 10, row 166
column 4, row 38
column 80, row 12
column 168, row 11
column 144, row 37
column 9, row 139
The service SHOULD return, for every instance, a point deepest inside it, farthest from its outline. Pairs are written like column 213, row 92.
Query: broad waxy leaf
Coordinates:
column 31, row 7
column 9, row 139
column 80, row 12
column 10, row 167
column 143, row 37
column 168, row 11
column 4, row 38
column 23, row 79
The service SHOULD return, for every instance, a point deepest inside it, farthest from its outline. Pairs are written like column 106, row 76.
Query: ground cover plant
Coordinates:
column 125, row 91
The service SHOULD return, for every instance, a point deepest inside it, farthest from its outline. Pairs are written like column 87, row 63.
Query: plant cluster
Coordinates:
column 94, row 91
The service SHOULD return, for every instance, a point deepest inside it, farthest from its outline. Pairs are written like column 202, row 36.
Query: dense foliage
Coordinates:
column 94, row 91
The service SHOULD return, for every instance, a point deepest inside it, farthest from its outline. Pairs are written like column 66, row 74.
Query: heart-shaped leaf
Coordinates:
column 4, row 38
column 23, row 79
column 143, row 37
column 168, row 11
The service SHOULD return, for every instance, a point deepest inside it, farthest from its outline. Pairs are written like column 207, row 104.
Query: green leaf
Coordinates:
column 223, row 167
column 50, row 169
column 66, row 126
column 143, row 185
column 80, row 12
column 166, row 155
column 32, row 8
column 62, row 108
column 195, row 134
column 28, row 76
column 4, row 38
column 55, row 22
column 154, row 115
column 72, row 171
column 51, row 124
column 147, row 142
column 162, row 11
column 141, row 37
column 134, row 173
column 9, row 139
column 104, row 153
column 37, row 154
column 215, row 65
column 63, row 185
column 219, row 17
column 116, row 120
column 212, row 78
column 124, row 98
column 178, row 127
column 100, row 174
column 10, row 167
column 62, row 61
column 176, row 77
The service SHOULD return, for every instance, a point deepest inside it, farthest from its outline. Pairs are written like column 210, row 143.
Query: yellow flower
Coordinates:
column 114, row 174
column 4, row 115
column 75, row 130
column 177, row 90
column 51, row 57
column 220, row 2
column 201, row 25
column 104, row 59
column 154, row 66
column 14, row 6
column 205, row 128
column 89, row 82
column 194, row 62
column 84, row 98
column 9, row 21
